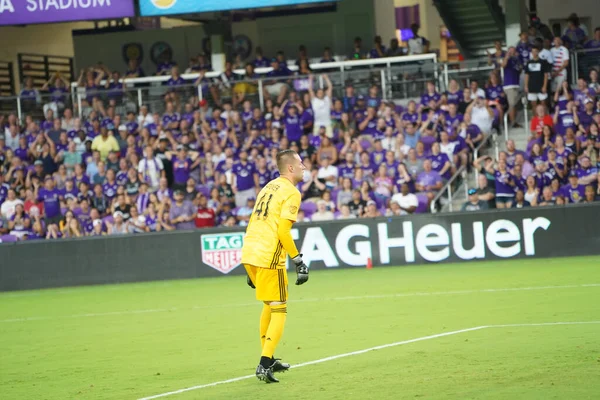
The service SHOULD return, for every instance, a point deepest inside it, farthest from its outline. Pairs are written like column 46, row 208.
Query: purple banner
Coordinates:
column 24, row 12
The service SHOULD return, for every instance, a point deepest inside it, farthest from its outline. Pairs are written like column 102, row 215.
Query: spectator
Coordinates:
column 19, row 223
column 57, row 86
column 182, row 213
column 378, row 50
column 371, row 210
column 406, row 201
column 244, row 213
column 275, row 86
column 394, row 50
column 520, row 201
column 51, row 198
column 594, row 43
column 547, row 198
column 105, row 143
column 357, row 205
column 523, row 48
column 122, row 206
column 540, row 119
column 481, row 115
column 322, row 214
column 205, row 216
column 7, row 210
column 505, row 184
column 134, row 70
column 321, row 106
column 328, row 174
column 417, row 44
column 118, row 227
column 590, row 194
column 137, row 222
column 573, row 192
column 245, row 180
column 574, row 36
column 560, row 55
column 532, row 192
column 497, row 57
column 357, row 52
column 536, row 78
column 345, row 213
column 150, row 169
column 474, row 203
column 428, row 181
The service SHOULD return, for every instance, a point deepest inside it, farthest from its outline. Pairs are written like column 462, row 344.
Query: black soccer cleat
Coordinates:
column 279, row 366
column 265, row 374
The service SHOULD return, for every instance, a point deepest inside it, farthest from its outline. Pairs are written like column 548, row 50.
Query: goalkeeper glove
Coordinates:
column 301, row 270
column 249, row 282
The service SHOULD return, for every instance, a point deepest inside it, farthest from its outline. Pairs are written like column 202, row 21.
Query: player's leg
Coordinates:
column 265, row 315
column 272, row 289
column 265, row 320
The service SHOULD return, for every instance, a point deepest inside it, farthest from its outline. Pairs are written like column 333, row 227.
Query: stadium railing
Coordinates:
column 399, row 78
column 377, row 70
column 452, row 186
column 583, row 61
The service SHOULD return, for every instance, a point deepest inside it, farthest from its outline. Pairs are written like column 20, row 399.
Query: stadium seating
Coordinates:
column 198, row 123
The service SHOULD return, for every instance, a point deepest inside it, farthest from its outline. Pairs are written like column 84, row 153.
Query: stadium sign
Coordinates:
column 222, row 251
column 153, row 8
column 533, row 232
column 24, row 12
column 398, row 241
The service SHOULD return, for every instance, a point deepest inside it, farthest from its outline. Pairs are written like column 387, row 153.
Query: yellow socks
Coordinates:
column 275, row 329
column 265, row 319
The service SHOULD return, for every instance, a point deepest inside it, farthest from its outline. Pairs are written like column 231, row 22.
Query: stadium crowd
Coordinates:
column 189, row 163
column 560, row 163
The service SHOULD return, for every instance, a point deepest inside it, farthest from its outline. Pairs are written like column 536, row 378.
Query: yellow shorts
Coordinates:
column 271, row 284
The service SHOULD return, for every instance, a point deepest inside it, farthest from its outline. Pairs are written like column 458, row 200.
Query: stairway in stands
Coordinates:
column 519, row 135
column 474, row 24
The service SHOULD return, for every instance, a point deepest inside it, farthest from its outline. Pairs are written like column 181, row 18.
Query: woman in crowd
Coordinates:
column 532, row 192
column 504, row 186
column 536, row 154
column 19, row 223
column 383, row 185
column 344, row 196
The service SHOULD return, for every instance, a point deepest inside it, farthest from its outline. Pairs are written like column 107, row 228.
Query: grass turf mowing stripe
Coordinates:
column 311, row 300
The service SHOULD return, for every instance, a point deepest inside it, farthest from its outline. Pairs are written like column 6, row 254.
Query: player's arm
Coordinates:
column 284, row 234
column 289, row 214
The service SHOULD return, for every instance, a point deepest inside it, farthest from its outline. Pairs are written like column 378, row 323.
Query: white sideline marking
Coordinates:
column 354, row 353
column 311, row 300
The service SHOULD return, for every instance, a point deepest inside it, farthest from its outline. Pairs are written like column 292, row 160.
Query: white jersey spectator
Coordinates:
column 546, row 55
column 150, row 169
column 560, row 57
column 328, row 173
column 322, row 214
column 321, row 105
column 407, row 201
column 481, row 115
column 145, row 118
column 417, row 44
column 7, row 209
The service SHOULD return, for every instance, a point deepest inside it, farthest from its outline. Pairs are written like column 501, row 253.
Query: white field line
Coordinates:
column 358, row 352
column 310, row 300
column 353, row 353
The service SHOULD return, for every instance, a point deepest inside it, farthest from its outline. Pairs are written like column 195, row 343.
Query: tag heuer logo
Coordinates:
column 222, row 251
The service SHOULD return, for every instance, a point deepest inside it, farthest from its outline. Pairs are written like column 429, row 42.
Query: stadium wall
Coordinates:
column 421, row 239
column 110, row 48
column 316, row 31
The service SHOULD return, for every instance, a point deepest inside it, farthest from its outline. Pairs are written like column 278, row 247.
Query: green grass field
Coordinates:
column 138, row 340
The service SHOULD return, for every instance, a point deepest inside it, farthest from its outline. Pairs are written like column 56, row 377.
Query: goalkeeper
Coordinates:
column 267, row 242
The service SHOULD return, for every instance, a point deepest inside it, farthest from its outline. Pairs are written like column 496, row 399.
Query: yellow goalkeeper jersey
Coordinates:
column 278, row 200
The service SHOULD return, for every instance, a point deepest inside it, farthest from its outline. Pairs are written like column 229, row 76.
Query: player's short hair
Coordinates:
column 284, row 158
